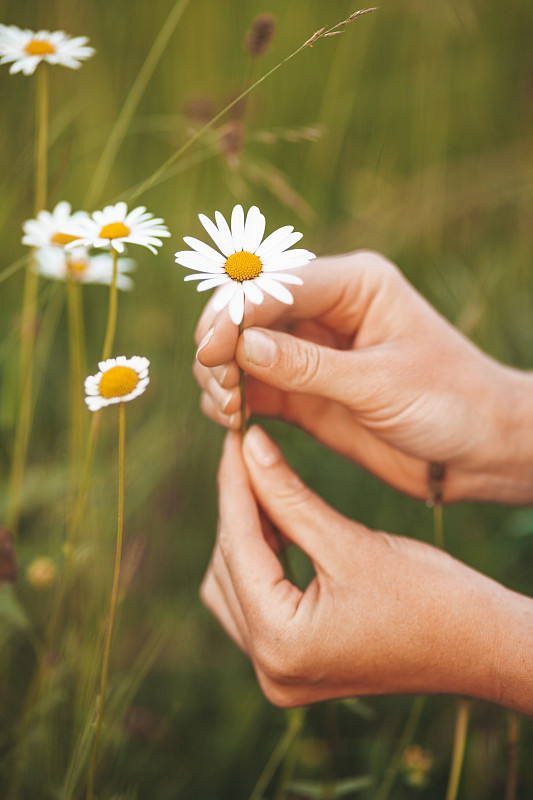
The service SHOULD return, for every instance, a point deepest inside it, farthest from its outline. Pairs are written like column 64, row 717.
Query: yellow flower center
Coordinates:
column 118, row 382
column 243, row 266
column 39, row 47
column 77, row 267
column 63, row 238
column 114, row 230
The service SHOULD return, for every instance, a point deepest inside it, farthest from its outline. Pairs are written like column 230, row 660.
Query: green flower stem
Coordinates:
column 242, row 387
column 114, row 597
column 459, row 741
column 295, row 721
column 77, row 371
column 29, row 311
column 438, row 534
column 513, row 740
column 112, row 311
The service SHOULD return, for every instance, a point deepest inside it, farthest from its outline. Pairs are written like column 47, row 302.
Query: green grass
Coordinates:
column 424, row 111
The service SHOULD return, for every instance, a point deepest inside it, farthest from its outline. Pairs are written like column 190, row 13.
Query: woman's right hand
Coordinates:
column 368, row 367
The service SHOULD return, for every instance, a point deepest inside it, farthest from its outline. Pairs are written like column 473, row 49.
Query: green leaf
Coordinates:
column 10, row 609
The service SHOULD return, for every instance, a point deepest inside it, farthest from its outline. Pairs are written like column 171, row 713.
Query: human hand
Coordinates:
column 363, row 363
column 383, row 614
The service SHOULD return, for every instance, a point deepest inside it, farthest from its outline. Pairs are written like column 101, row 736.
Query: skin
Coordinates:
column 364, row 364
column 383, row 614
column 369, row 368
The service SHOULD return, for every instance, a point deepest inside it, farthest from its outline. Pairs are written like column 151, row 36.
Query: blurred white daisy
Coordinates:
column 113, row 227
column 79, row 266
column 247, row 265
column 26, row 49
column 119, row 380
column 48, row 229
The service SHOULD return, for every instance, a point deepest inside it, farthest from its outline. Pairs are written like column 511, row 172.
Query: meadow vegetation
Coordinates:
column 408, row 133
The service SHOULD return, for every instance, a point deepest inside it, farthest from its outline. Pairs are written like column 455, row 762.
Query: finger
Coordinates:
column 227, row 400
column 227, row 375
column 340, row 300
column 212, row 410
column 256, row 574
column 353, row 378
column 299, row 513
column 229, row 615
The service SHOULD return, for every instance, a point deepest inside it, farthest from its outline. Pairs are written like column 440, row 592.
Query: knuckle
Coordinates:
column 282, row 659
column 304, row 365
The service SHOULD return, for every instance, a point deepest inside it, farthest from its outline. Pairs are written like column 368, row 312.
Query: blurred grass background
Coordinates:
column 411, row 134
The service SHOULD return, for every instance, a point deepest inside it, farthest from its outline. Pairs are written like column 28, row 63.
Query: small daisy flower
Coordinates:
column 113, row 227
column 79, row 266
column 25, row 49
column 247, row 265
column 48, row 229
column 119, row 380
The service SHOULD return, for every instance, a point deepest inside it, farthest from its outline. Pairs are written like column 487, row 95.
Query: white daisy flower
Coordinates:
column 113, row 226
column 48, row 229
column 247, row 265
column 26, row 49
column 119, row 380
column 57, row 264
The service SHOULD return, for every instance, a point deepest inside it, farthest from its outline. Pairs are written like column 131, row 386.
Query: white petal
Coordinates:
column 254, row 230
column 252, row 292
column 204, row 249
column 210, row 283
column 237, row 228
column 288, row 260
column 274, row 239
column 274, row 289
column 190, row 260
column 206, row 276
column 283, row 245
column 221, row 235
column 236, row 306
column 224, row 295
column 285, row 277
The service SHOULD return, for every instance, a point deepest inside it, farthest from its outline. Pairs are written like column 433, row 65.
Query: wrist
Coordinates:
column 502, row 471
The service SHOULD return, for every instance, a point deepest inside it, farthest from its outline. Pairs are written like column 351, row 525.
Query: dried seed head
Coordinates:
column 231, row 139
column 199, row 109
column 8, row 557
column 260, row 35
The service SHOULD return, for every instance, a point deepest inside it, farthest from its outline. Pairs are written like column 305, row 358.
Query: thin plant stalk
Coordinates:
column 29, row 310
column 459, row 741
column 138, row 87
column 295, row 721
column 438, row 532
column 112, row 310
column 406, row 737
column 77, row 370
column 114, row 597
column 513, row 740
column 242, row 386
column 159, row 174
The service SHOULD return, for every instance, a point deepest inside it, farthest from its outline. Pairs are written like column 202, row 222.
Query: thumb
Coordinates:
column 300, row 514
column 299, row 365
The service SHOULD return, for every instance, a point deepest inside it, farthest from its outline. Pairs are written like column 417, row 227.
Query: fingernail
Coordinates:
column 259, row 348
column 262, row 449
column 207, row 338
